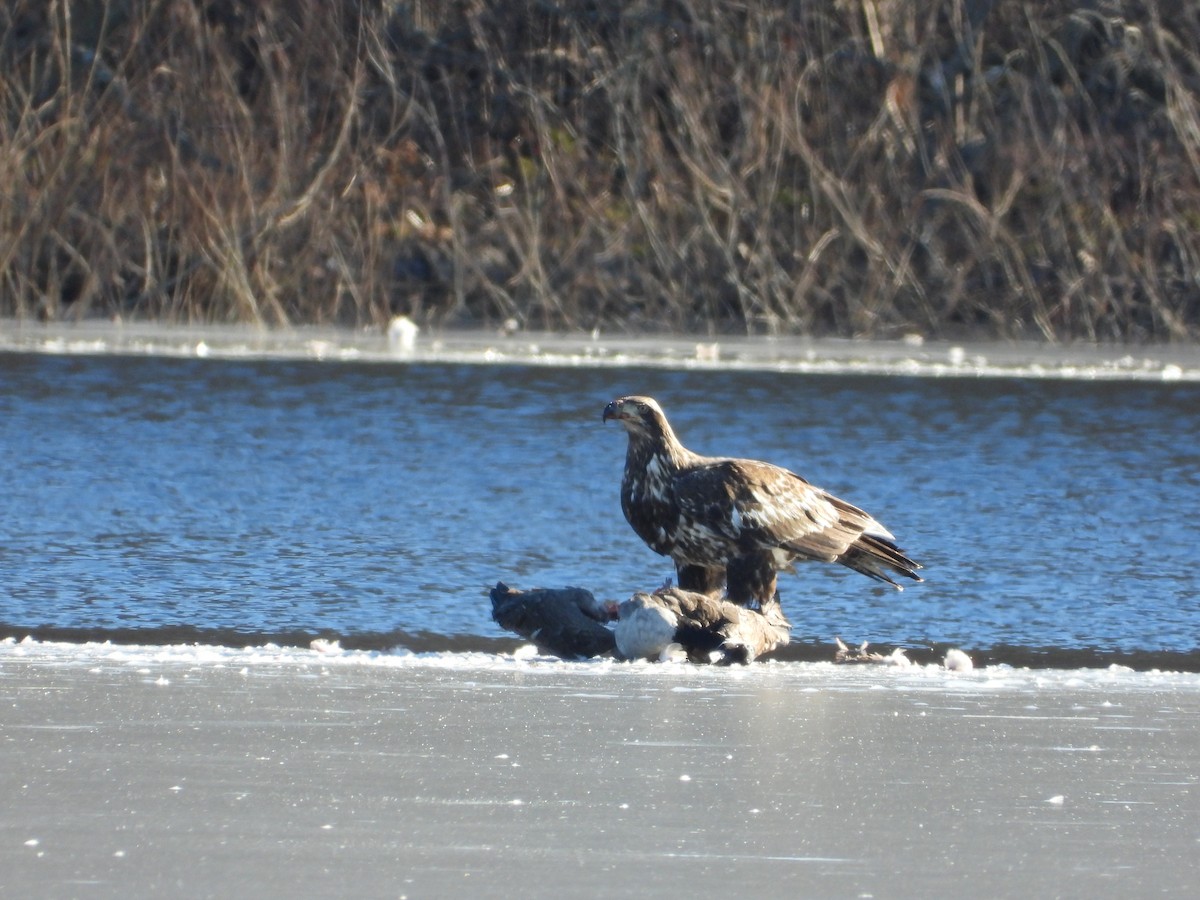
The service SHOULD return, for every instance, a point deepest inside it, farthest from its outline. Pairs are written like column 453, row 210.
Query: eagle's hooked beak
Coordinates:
column 614, row 410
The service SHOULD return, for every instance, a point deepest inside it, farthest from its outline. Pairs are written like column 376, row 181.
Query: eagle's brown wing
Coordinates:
column 761, row 507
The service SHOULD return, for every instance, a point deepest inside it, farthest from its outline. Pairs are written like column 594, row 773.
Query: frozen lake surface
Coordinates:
column 277, row 772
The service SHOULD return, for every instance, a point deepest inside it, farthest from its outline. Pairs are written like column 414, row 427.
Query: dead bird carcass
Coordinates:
column 670, row 622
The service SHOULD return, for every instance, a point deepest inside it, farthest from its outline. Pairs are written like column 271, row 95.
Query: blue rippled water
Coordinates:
column 159, row 499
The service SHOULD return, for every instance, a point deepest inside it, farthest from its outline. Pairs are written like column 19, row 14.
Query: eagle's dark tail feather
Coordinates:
column 874, row 556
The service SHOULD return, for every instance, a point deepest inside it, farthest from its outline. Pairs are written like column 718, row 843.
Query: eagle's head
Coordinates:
column 641, row 416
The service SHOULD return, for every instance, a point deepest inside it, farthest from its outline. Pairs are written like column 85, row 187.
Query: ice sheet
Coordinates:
column 911, row 356
column 272, row 772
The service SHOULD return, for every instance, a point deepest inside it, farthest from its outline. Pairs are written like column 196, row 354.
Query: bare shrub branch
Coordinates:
column 963, row 167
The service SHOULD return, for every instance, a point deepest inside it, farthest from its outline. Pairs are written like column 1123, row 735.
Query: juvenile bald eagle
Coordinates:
column 738, row 522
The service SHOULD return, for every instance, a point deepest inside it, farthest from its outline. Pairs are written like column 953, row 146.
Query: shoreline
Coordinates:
column 830, row 356
column 207, row 771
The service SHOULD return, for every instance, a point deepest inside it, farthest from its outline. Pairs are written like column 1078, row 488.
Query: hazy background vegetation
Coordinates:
column 852, row 167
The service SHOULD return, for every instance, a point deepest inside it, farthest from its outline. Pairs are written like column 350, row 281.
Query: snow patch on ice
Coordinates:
column 172, row 661
column 957, row 661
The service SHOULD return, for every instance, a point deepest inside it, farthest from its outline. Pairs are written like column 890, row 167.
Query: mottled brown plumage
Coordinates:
column 704, row 627
column 737, row 522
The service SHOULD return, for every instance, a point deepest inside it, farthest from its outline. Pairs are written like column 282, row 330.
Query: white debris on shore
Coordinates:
column 402, row 334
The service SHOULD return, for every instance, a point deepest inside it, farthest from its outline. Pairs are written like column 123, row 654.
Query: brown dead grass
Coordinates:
column 862, row 167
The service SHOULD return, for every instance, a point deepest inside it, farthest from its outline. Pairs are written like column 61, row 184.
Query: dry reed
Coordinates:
column 858, row 167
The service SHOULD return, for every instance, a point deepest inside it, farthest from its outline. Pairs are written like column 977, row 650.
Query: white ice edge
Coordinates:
column 329, row 658
column 936, row 359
